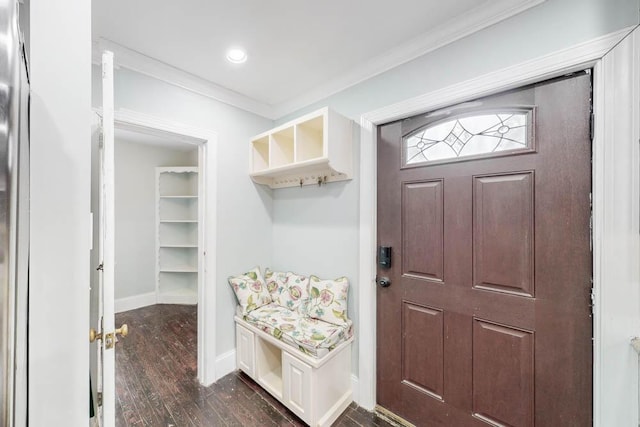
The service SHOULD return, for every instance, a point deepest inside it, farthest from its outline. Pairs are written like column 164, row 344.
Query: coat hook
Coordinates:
column 301, row 181
column 319, row 181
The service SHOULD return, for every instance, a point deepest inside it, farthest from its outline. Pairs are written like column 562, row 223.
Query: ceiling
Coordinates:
column 295, row 47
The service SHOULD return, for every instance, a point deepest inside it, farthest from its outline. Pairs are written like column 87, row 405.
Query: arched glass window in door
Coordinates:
column 483, row 134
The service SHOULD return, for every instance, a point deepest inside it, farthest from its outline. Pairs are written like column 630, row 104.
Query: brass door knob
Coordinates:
column 93, row 335
column 123, row 330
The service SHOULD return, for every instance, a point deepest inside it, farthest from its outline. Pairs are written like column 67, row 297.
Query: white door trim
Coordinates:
column 207, row 142
column 581, row 56
column 616, row 233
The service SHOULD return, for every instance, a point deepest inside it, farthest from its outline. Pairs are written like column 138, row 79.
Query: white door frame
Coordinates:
column 581, row 56
column 207, row 142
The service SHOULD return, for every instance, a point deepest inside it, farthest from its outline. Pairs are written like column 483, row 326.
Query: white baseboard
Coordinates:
column 178, row 299
column 225, row 364
column 355, row 388
column 136, row 301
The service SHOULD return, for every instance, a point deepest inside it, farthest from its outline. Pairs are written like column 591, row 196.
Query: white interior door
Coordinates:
column 106, row 245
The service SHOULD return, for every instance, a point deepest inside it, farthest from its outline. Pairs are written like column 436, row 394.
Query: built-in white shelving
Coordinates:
column 177, row 235
column 314, row 149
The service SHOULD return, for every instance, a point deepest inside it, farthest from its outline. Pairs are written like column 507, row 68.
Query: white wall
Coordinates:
column 135, row 207
column 316, row 229
column 244, row 208
column 60, row 197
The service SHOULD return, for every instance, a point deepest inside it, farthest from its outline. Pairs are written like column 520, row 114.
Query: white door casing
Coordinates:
column 616, row 236
column 207, row 143
column 616, row 233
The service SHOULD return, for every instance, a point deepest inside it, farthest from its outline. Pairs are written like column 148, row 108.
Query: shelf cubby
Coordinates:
column 178, row 183
column 178, row 208
column 260, row 153
column 177, row 288
column 310, row 139
column 269, row 367
column 178, row 233
column 178, row 259
column 281, row 151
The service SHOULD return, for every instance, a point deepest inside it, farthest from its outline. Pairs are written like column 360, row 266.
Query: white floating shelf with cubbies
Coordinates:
column 177, row 242
column 314, row 149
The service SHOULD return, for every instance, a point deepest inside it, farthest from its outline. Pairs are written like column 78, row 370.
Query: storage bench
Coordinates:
column 293, row 338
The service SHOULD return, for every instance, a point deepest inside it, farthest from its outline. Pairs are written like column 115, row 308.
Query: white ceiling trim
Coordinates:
column 469, row 23
column 136, row 61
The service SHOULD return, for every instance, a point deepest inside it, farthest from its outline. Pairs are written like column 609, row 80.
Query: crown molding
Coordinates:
column 143, row 64
column 470, row 22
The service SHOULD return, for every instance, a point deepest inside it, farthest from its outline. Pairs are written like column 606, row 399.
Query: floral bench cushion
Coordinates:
column 311, row 336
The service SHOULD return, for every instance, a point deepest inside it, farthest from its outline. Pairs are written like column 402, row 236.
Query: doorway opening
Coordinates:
column 164, row 209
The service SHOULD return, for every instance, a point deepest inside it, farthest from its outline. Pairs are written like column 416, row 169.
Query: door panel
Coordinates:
column 423, row 230
column 423, row 338
column 487, row 318
column 502, row 374
column 503, row 233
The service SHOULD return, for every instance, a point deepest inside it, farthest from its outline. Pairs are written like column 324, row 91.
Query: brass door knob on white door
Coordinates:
column 94, row 335
column 123, row 330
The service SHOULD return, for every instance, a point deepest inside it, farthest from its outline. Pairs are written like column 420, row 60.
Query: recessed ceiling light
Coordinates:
column 237, row 56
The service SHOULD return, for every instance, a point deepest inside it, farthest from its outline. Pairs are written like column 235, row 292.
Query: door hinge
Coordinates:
column 99, row 398
column 592, row 126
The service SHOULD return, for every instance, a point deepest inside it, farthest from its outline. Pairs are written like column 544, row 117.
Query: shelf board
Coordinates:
column 179, row 197
column 178, row 246
column 179, row 220
column 306, row 166
column 273, row 381
column 179, row 269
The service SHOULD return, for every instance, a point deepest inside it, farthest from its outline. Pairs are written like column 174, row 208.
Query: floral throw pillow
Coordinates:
column 328, row 300
column 250, row 289
column 288, row 290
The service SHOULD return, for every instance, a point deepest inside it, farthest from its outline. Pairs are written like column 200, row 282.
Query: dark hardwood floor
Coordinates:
column 156, row 381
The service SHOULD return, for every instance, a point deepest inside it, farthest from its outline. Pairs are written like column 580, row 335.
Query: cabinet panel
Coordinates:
column 296, row 377
column 245, row 347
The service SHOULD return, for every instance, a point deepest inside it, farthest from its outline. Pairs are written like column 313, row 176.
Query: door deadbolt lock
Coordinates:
column 384, row 257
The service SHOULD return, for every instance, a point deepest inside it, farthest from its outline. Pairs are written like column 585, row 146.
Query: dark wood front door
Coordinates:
column 486, row 206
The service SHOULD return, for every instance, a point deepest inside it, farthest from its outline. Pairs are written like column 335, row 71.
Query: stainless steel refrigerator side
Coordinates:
column 10, row 129
column 22, row 256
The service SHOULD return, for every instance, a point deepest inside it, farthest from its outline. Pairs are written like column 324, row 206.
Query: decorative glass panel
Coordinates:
column 479, row 135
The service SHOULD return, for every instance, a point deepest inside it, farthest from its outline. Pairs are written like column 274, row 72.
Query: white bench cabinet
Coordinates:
column 317, row 390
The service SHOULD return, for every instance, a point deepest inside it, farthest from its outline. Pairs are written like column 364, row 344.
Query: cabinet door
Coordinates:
column 296, row 377
column 245, row 354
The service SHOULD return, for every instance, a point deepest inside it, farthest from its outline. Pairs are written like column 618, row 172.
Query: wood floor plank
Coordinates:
column 156, row 380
